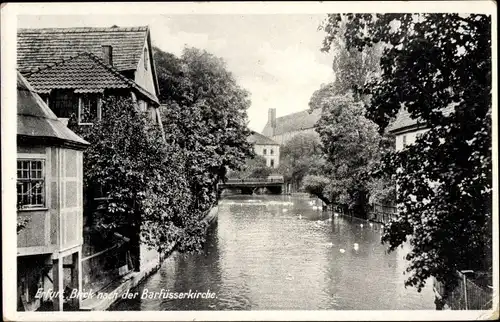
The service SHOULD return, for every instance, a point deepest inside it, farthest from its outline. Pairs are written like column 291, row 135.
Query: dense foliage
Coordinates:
column 205, row 115
column 432, row 63
column 350, row 142
column 254, row 167
column 300, row 156
column 143, row 179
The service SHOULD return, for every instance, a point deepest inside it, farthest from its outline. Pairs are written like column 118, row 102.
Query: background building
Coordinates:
column 266, row 148
column 407, row 129
column 283, row 128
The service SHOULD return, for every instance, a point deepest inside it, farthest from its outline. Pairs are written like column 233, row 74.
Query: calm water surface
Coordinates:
column 276, row 252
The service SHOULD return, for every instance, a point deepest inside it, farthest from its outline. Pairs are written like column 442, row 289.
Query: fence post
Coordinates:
column 464, row 280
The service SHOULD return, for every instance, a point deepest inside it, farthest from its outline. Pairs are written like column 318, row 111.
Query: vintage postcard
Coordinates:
column 250, row 161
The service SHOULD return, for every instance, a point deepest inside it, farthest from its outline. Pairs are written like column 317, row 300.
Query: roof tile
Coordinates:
column 85, row 73
column 293, row 122
column 39, row 47
column 257, row 138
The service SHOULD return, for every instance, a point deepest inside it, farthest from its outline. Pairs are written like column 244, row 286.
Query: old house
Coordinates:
column 74, row 70
column 266, row 148
column 284, row 128
column 406, row 129
column 49, row 202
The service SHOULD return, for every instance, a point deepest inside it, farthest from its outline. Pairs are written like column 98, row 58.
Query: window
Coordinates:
column 63, row 103
column 146, row 59
column 264, row 151
column 272, row 162
column 404, row 141
column 271, row 152
column 88, row 109
column 30, row 183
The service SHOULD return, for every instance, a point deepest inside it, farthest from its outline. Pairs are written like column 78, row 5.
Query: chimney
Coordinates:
column 272, row 120
column 107, row 54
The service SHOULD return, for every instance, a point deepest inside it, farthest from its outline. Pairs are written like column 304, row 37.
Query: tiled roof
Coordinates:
column 85, row 73
column 36, row 120
column 257, row 138
column 38, row 47
column 293, row 122
column 404, row 121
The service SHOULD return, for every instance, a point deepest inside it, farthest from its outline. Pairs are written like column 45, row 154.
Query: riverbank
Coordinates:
column 113, row 292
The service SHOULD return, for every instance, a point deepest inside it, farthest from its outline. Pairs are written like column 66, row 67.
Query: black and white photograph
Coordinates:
column 250, row 161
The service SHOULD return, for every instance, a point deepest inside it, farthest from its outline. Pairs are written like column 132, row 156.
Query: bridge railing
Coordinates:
column 254, row 180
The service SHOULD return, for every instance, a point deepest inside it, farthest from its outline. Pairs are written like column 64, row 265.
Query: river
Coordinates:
column 277, row 252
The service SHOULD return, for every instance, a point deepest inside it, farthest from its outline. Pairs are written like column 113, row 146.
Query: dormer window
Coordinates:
column 146, row 59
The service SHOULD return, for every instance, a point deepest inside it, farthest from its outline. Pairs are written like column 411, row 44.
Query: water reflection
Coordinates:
column 276, row 252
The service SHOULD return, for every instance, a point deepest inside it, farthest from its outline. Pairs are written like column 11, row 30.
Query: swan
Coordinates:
column 356, row 246
column 342, row 250
column 361, row 225
column 285, row 210
column 330, row 219
column 336, row 214
column 371, row 224
column 300, row 216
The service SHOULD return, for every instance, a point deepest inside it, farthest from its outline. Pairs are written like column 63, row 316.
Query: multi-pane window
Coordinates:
column 264, row 151
column 272, row 163
column 30, row 183
column 271, row 152
column 88, row 109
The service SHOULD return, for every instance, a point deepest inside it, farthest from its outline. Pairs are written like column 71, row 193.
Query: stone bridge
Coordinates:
column 250, row 185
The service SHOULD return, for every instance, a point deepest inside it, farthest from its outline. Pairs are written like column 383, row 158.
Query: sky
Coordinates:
column 276, row 57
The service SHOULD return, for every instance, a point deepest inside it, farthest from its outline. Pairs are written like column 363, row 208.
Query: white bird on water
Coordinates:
column 361, row 225
column 371, row 224
column 356, row 246
column 285, row 210
column 342, row 250
column 336, row 214
column 300, row 216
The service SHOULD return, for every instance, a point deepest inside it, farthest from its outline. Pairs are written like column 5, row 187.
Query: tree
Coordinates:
column 351, row 146
column 431, row 63
column 254, row 167
column 143, row 179
column 299, row 156
column 350, row 142
column 205, row 114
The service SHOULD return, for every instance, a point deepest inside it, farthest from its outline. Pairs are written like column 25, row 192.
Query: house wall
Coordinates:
column 59, row 224
column 259, row 150
column 411, row 137
column 53, row 229
column 285, row 137
column 144, row 75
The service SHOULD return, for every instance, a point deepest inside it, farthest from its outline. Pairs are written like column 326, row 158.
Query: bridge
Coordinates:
column 250, row 185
